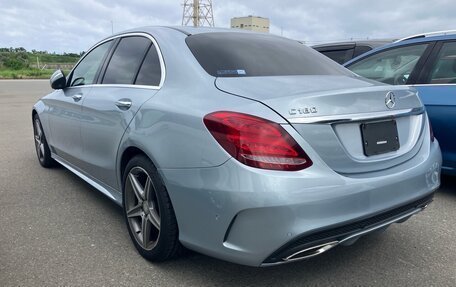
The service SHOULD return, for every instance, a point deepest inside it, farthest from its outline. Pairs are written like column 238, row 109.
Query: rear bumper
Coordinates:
column 247, row 216
column 309, row 245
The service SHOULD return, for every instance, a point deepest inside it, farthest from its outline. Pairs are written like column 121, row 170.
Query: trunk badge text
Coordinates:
column 390, row 100
column 303, row 111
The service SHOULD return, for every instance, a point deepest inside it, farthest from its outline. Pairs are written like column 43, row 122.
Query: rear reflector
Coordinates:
column 256, row 142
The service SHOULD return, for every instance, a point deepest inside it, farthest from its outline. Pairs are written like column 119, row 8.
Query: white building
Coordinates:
column 254, row 23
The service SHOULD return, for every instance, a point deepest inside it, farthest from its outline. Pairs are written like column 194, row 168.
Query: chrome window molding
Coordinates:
column 141, row 34
column 357, row 116
column 117, row 86
column 424, row 85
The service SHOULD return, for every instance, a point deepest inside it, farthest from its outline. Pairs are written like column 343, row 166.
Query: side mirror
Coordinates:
column 58, row 80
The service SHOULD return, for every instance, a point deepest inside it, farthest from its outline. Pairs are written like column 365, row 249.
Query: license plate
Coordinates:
column 379, row 137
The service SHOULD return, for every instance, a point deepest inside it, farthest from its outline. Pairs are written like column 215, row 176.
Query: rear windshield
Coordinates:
column 231, row 54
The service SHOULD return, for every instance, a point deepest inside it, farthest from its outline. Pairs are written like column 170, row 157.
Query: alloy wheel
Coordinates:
column 142, row 209
column 39, row 144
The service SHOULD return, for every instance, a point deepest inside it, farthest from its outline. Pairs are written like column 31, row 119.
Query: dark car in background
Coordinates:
column 342, row 52
column 428, row 63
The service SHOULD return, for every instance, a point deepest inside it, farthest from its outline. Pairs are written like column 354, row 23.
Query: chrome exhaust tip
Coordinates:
column 311, row 251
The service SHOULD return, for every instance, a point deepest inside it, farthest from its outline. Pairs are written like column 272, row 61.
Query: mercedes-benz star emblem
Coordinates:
column 390, row 100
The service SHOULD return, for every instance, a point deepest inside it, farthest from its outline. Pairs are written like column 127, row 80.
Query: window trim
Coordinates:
column 105, row 63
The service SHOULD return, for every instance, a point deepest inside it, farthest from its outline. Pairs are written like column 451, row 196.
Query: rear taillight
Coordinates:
column 431, row 131
column 256, row 142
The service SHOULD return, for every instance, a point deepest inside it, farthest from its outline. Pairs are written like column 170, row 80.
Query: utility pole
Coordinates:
column 198, row 13
column 112, row 27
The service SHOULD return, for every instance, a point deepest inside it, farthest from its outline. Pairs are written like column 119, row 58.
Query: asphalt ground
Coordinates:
column 57, row 230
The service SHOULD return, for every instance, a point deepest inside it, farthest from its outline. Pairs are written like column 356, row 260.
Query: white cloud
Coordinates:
column 73, row 26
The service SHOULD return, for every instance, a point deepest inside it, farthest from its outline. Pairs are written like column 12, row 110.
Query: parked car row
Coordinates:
column 259, row 156
column 428, row 63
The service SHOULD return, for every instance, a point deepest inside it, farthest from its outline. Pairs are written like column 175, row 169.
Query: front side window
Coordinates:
column 444, row 70
column 86, row 70
column 126, row 60
column 393, row 66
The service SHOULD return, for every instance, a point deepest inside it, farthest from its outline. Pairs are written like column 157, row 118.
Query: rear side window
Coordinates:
column 339, row 56
column 392, row 66
column 150, row 72
column 234, row 54
column 444, row 70
column 126, row 60
column 359, row 50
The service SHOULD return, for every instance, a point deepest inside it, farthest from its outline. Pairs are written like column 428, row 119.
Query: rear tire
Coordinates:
column 41, row 146
column 148, row 211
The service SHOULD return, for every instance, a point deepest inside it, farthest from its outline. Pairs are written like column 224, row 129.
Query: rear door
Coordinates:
column 437, row 88
column 132, row 75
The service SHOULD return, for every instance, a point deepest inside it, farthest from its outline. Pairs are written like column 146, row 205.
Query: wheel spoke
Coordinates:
column 147, row 188
column 137, row 188
column 154, row 218
column 135, row 211
column 145, row 229
column 38, row 128
column 42, row 149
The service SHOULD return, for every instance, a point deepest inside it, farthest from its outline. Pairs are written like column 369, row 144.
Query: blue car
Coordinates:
column 428, row 63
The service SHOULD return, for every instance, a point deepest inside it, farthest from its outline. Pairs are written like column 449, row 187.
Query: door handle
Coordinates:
column 123, row 104
column 77, row 97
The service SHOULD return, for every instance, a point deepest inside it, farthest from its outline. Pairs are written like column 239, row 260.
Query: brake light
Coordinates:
column 256, row 142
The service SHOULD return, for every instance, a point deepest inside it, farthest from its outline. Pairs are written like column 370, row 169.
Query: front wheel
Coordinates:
column 148, row 212
column 41, row 146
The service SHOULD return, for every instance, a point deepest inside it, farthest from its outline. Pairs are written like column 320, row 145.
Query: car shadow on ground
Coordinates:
column 448, row 185
column 197, row 269
column 316, row 269
column 194, row 266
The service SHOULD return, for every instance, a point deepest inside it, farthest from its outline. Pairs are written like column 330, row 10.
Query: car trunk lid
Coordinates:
column 329, row 112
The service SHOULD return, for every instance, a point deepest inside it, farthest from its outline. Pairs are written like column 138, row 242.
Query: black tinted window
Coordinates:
column 126, row 60
column 150, row 72
column 359, row 50
column 229, row 54
column 339, row 56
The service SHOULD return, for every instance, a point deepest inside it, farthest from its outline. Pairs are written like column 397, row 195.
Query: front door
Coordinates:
column 65, row 106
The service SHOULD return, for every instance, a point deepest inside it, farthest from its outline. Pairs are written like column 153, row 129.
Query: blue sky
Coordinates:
column 73, row 26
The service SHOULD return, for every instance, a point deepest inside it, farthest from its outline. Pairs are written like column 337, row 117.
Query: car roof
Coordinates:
column 190, row 30
column 415, row 40
column 371, row 43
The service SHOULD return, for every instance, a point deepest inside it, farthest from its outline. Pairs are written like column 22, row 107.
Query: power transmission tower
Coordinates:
column 198, row 13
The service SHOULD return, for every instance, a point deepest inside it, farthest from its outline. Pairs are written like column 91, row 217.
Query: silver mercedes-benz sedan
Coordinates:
column 248, row 147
